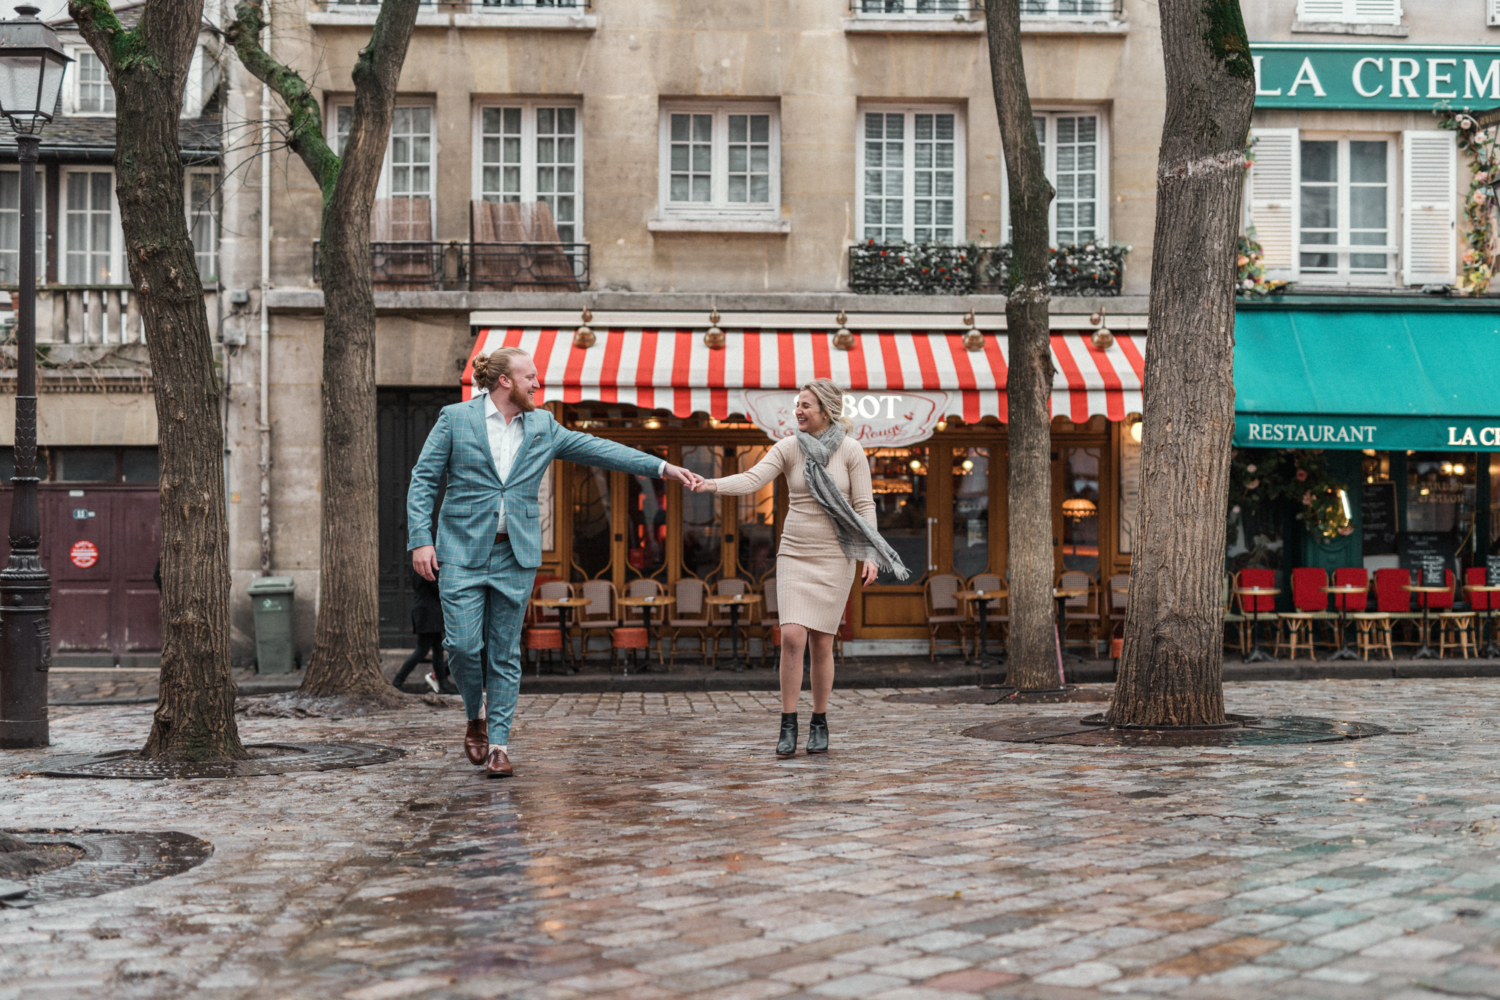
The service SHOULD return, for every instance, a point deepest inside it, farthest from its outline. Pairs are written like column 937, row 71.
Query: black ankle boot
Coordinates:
column 787, row 745
column 817, row 733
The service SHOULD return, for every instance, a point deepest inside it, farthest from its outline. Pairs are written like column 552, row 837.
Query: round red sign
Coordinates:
column 84, row 554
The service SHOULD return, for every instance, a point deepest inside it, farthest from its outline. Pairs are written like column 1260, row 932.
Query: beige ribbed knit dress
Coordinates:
column 813, row 576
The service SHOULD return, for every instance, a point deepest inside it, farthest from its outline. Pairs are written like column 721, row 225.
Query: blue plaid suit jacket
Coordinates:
column 459, row 446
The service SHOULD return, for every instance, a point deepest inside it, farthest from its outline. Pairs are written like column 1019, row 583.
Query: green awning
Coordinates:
column 1421, row 380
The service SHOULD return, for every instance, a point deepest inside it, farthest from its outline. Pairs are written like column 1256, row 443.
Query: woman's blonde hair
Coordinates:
column 830, row 400
column 489, row 367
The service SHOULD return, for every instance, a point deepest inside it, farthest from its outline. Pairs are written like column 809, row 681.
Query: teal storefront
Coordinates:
column 1402, row 396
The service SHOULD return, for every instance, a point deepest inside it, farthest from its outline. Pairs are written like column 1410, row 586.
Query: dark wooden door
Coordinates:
column 104, row 598
column 405, row 416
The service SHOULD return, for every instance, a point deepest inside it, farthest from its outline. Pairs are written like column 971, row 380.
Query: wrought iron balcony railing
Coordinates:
column 473, row 6
column 1062, row 10
column 402, row 265
column 963, row 269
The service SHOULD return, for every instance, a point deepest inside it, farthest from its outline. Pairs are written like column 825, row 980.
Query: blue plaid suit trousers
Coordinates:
column 483, row 610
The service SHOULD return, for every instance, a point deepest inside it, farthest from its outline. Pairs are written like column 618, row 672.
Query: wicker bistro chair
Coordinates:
column 1234, row 622
column 1083, row 612
column 719, row 621
column 944, row 614
column 1486, row 606
column 599, row 617
column 996, row 616
column 1393, row 601
column 542, row 634
column 1251, row 608
column 1116, row 596
column 690, row 617
column 1308, row 598
column 1456, row 631
column 635, row 618
column 770, row 621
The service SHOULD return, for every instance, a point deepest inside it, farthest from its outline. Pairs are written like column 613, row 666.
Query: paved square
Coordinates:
column 653, row 847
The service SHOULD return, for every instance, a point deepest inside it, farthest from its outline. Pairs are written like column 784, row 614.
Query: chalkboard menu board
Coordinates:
column 1377, row 505
column 1427, row 554
column 1492, row 570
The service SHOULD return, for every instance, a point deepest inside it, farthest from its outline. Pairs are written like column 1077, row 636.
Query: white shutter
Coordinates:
column 1429, row 199
column 1350, row 11
column 1492, row 9
column 1377, row 11
column 1321, row 10
column 1273, row 199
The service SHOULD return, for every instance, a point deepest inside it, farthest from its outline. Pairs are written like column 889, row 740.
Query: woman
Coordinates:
column 830, row 525
column 427, row 623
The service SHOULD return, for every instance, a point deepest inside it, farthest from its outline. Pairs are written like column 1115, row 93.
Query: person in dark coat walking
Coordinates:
column 427, row 623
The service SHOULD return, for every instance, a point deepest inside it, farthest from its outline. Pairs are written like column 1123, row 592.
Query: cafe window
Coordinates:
column 591, row 521
column 646, row 535
column 756, row 553
column 898, row 479
column 971, row 511
column 910, row 185
column 1348, row 202
column 99, row 465
column 1440, row 492
column 1080, row 509
column 702, row 525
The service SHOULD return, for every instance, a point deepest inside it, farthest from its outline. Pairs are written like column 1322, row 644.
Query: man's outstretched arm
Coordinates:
column 585, row 449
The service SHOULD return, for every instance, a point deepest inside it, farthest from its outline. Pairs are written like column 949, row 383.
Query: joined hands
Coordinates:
column 688, row 478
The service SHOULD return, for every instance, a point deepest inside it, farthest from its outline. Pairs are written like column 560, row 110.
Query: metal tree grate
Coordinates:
column 111, row 860
column 266, row 758
column 1245, row 731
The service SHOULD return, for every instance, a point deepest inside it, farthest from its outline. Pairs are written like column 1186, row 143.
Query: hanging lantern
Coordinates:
column 713, row 339
column 843, row 337
column 973, row 339
column 583, row 337
column 1103, row 338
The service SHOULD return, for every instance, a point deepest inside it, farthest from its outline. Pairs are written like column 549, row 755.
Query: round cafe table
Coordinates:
column 647, row 604
column 564, row 606
column 1061, row 595
column 1426, row 652
column 981, row 599
column 1256, row 654
column 1343, row 652
column 1491, row 649
column 733, row 602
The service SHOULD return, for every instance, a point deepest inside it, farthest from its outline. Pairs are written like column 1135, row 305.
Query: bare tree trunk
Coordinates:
column 147, row 66
column 346, row 644
column 1032, row 646
column 1171, row 673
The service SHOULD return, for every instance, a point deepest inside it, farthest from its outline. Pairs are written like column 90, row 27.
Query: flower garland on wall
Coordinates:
column 1477, row 266
column 1261, row 476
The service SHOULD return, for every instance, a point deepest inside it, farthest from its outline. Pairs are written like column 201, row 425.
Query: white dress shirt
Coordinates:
column 506, row 438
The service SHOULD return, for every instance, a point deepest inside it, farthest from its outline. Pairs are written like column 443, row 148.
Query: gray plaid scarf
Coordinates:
column 856, row 537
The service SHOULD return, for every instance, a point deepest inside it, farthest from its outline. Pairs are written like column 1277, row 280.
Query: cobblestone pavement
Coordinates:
column 651, row 847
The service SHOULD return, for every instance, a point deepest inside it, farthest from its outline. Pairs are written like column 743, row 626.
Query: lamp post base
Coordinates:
column 19, row 734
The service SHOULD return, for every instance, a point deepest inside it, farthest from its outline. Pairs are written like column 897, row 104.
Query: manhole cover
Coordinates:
column 265, row 758
column 111, row 860
column 1255, row 732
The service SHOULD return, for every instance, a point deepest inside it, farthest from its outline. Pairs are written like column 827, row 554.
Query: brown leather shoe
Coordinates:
column 498, row 766
column 477, row 740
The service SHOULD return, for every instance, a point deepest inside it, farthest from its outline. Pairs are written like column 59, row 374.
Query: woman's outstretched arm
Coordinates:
column 767, row 469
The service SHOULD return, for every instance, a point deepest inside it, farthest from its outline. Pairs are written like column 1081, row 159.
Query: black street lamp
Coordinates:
column 32, row 64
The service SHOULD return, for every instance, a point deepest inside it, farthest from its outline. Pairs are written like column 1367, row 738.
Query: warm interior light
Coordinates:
column 915, row 464
column 652, row 423
column 968, row 464
column 1447, row 468
column 1344, row 500
column 1135, row 432
column 942, row 425
column 1458, row 469
column 1369, row 451
column 1422, row 492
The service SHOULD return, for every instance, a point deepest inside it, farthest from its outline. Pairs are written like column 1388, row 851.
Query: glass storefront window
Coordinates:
column 971, row 511
column 646, row 538
column 898, row 479
column 85, row 464
column 141, row 465
column 1081, row 509
column 702, row 527
column 756, row 514
column 1439, row 492
column 591, row 521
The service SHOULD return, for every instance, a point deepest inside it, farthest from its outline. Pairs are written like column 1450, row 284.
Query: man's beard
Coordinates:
column 520, row 398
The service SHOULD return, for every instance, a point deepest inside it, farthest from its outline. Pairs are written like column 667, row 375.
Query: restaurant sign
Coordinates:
column 1375, row 77
column 1379, row 433
column 881, row 419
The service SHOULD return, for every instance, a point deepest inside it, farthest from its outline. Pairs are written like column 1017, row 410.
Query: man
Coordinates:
column 494, row 449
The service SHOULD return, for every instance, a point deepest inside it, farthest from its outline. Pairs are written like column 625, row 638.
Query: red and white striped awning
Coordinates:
column 669, row 369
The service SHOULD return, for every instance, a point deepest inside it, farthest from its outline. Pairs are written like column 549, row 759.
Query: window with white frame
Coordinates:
column 533, row 153
column 1074, row 155
column 10, row 227
column 1071, row 10
column 202, row 199
column 915, row 8
column 404, row 199
column 720, row 161
column 1350, row 11
column 1348, row 201
column 91, row 238
column 93, row 94
column 911, row 179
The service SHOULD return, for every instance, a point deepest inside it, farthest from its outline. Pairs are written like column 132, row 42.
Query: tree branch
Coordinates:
column 304, row 117
column 100, row 27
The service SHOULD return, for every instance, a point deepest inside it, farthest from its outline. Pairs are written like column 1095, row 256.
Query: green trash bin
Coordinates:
column 271, row 598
